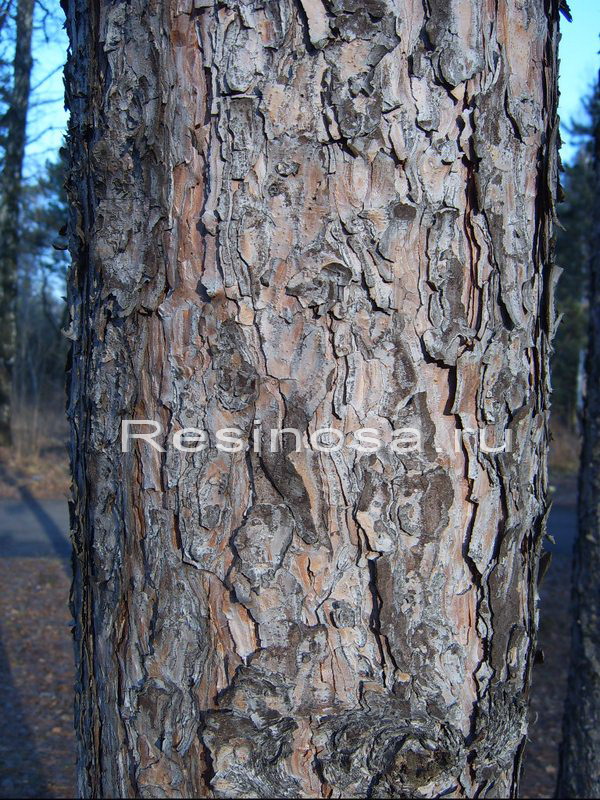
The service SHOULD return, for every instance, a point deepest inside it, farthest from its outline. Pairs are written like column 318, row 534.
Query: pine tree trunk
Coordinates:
column 579, row 774
column 10, row 201
column 309, row 215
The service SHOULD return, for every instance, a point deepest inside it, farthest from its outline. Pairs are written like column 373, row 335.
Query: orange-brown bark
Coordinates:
column 309, row 215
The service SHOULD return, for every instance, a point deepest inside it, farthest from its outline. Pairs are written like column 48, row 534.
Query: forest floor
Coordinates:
column 37, row 743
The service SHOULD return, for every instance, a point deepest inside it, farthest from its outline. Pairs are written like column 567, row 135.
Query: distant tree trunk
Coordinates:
column 579, row 774
column 10, row 200
column 309, row 215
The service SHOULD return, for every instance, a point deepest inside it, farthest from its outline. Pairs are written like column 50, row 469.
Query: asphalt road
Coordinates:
column 31, row 528
column 37, row 743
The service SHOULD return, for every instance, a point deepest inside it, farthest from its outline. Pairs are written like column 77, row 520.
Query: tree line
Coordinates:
column 33, row 260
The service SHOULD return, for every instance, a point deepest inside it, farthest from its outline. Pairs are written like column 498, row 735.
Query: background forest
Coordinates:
column 33, row 261
column 39, row 266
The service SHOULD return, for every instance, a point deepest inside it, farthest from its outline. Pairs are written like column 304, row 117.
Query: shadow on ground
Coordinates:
column 37, row 743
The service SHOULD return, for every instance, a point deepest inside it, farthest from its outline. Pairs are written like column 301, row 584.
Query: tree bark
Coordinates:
column 10, row 202
column 309, row 215
column 579, row 775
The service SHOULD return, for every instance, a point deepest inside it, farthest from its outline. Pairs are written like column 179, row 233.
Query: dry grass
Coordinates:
column 38, row 457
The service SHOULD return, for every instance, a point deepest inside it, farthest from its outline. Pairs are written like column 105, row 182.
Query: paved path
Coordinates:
column 37, row 740
column 37, row 743
column 31, row 528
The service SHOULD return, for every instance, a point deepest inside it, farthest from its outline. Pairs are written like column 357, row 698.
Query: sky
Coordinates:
column 579, row 65
column 47, row 118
